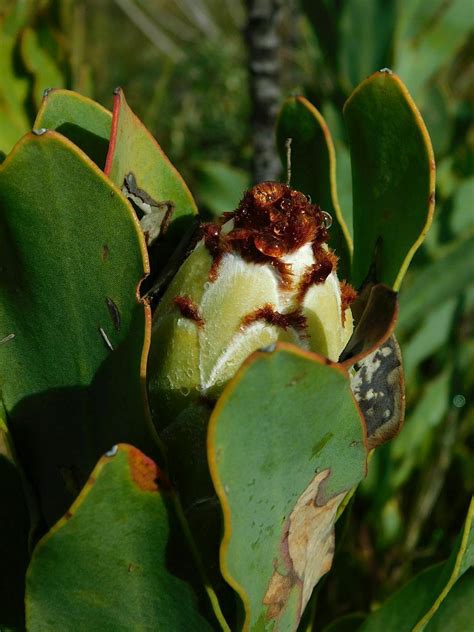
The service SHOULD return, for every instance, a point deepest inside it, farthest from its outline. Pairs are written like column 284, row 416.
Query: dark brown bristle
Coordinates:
column 189, row 309
column 326, row 262
column 216, row 245
column 271, row 221
column 294, row 319
column 348, row 296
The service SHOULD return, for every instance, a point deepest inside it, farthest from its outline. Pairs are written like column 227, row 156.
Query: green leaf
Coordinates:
column 366, row 31
column 432, row 334
column 412, row 447
column 219, row 187
column 392, row 176
column 313, row 167
column 74, row 335
column 430, row 33
column 86, row 123
column 457, row 610
column 348, row 623
column 286, row 431
column 437, row 283
column 40, row 64
column 462, row 219
column 14, row 86
column 414, row 605
column 104, row 565
column 134, row 150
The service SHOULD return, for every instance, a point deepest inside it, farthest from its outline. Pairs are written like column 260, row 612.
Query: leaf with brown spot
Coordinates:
column 379, row 388
column 133, row 150
column 105, row 565
column 269, row 431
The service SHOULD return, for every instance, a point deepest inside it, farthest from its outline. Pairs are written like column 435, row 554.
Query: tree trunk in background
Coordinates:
column 263, row 41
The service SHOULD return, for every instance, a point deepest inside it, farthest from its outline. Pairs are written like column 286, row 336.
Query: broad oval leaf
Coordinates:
column 313, row 167
column 86, row 123
column 133, row 151
column 74, row 334
column 286, row 442
column 104, row 565
column 393, row 178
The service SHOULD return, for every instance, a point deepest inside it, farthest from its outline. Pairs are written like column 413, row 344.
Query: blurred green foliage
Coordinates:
column 183, row 67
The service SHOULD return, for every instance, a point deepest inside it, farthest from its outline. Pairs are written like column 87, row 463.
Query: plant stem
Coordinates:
column 264, row 44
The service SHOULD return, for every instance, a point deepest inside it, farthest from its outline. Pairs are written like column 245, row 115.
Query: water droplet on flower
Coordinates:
column 327, row 219
column 113, row 451
column 40, row 131
column 270, row 246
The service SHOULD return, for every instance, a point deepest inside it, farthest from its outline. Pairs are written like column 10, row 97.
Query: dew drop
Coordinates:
column 459, row 400
column 40, row 131
column 113, row 451
column 327, row 219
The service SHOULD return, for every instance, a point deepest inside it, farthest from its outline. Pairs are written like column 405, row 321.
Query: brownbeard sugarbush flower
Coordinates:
column 262, row 274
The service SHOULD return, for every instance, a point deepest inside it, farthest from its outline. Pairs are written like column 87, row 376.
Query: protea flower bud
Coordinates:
column 263, row 273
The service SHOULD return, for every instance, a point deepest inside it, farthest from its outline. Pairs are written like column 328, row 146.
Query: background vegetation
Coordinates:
column 183, row 67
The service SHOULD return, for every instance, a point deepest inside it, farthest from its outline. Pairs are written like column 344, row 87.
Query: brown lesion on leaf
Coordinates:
column 154, row 215
column 307, row 548
column 189, row 309
column 277, row 594
column 113, row 312
column 294, row 319
column 378, row 386
column 145, row 473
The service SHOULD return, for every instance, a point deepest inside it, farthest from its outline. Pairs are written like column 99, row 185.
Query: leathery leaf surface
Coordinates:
column 393, row 178
column 313, row 168
column 103, row 566
column 415, row 606
column 74, row 334
column 80, row 119
column 133, row 150
column 286, row 441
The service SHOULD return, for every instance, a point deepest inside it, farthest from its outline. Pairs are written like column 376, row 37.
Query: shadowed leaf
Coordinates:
column 375, row 313
column 80, row 119
column 412, row 608
column 104, row 565
column 14, row 527
column 313, row 168
column 392, row 176
column 71, row 379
